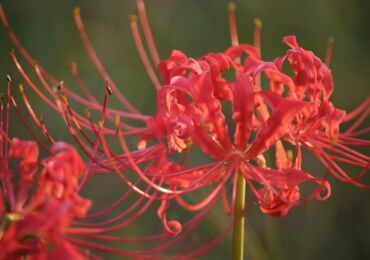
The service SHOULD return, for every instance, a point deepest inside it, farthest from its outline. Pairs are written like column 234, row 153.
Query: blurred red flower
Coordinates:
column 35, row 223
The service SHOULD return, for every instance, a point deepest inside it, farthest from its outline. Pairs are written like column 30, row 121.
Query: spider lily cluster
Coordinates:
column 43, row 215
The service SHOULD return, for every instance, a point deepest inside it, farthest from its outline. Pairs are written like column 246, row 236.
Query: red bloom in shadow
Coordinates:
column 35, row 223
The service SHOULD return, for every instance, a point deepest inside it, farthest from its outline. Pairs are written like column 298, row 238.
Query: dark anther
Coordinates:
column 60, row 85
column 109, row 90
column 3, row 96
column 41, row 118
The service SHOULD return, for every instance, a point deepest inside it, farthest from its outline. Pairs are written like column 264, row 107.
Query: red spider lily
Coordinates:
column 190, row 100
column 34, row 220
column 42, row 215
column 316, row 127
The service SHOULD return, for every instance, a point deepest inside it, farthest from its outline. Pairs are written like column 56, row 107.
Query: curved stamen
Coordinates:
column 96, row 61
column 210, row 197
column 364, row 105
column 257, row 34
column 29, row 129
column 38, row 121
column 142, row 53
column 329, row 50
column 147, row 32
column 232, row 24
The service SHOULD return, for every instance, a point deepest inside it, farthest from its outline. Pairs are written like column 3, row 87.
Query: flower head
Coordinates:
column 34, row 221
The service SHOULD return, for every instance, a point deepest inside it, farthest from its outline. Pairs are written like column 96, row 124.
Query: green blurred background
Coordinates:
column 338, row 228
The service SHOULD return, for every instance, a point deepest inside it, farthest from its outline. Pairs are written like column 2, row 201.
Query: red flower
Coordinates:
column 317, row 126
column 36, row 220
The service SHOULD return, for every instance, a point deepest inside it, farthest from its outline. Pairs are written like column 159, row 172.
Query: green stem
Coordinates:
column 238, row 231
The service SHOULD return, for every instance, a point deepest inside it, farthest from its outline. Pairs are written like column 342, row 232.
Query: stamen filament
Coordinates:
column 147, row 32
column 142, row 53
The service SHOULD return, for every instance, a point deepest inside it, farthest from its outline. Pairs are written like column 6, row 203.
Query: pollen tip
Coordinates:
column 11, row 52
column 132, row 18
column 258, row 23
column 140, row 3
column 101, row 124
column 261, row 161
column 231, row 7
column 289, row 155
column 117, row 120
column 34, row 63
column 8, row 78
column 87, row 112
column 331, row 40
column 110, row 92
column 21, row 88
column 42, row 118
column 74, row 67
column 63, row 98
column 60, row 85
column 76, row 11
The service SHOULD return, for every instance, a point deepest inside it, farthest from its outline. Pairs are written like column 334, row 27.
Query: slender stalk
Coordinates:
column 238, row 230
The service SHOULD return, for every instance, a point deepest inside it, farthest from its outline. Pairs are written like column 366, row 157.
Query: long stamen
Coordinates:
column 29, row 129
column 358, row 110
column 337, row 171
column 81, row 84
column 2, row 137
column 33, row 86
column 98, row 107
column 13, row 38
column 88, row 94
column 113, row 205
column 85, row 148
column 329, row 49
column 104, row 248
column 232, row 24
column 329, row 144
column 204, row 202
column 142, row 53
column 358, row 132
column 125, row 239
column 118, row 171
column 30, row 83
column 117, row 226
column 118, row 217
column 257, row 45
column 187, row 228
column 43, row 82
column 209, row 245
column 7, row 117
column 88, row 173
column 257, row 34
column 147, row 32
column 358, row 122
column 140, row 172
column 225, row 202
column 354, row 141
column 95, row 106
column 96, row 61
column 38, row 121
